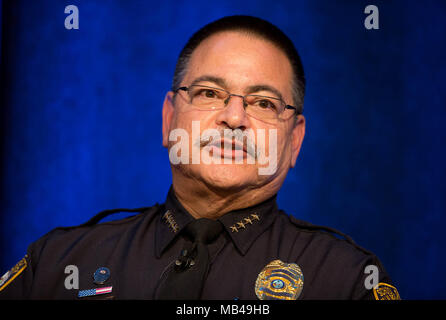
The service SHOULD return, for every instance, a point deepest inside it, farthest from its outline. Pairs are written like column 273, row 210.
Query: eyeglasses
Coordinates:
column 260, row 107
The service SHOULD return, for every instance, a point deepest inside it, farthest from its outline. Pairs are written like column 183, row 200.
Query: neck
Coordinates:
column 203, row 201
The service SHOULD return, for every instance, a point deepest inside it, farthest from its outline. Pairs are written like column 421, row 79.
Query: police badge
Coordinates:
column 279, row 281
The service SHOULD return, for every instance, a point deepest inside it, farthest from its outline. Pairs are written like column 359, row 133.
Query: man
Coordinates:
column 233, row 126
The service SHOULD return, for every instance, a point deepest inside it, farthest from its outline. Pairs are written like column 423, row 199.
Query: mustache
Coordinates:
column 244, row 139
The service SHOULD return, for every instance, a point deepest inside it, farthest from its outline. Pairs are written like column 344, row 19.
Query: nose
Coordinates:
column 233, row 115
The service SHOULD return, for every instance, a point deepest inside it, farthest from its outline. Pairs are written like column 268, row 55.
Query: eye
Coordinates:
column 210, row 93
column 266, row 104
column 206, row 93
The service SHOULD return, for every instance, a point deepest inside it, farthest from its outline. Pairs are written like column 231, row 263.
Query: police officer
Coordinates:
column 239, row 83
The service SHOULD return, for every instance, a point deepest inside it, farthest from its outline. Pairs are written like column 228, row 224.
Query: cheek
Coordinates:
column 184, row 118
column 272, row 140
column 189, row 125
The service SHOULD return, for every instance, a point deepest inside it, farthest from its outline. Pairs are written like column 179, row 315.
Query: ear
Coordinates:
column 297, row 137
column 168, row 111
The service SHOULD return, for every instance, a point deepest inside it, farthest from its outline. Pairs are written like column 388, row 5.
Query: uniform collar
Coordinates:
column 243, row 225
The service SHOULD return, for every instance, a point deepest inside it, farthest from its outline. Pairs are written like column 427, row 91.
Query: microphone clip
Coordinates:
column 184, row 261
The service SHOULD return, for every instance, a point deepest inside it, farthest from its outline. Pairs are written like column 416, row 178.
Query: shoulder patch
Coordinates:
column 9, row 276
column 384, row 291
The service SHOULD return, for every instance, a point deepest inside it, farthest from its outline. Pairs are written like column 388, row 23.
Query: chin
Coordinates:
column 229, row 177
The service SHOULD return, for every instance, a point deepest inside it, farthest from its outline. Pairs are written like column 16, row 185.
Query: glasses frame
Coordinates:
column 286, row 106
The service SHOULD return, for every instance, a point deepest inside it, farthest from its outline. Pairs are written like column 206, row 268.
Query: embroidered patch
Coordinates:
column 9, row 276
column 279, row 281
column 384, row 291
column 169, row 219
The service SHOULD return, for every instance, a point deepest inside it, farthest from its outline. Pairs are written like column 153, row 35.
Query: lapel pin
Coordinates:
column 101, row 275
column 94, row 292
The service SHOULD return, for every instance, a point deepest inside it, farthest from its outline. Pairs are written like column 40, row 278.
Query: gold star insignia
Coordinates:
column 247, row 220
column 234, row 228
column 240, row 225
column 255, row 216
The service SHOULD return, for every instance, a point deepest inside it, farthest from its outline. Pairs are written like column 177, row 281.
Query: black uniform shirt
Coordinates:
column 137, row 251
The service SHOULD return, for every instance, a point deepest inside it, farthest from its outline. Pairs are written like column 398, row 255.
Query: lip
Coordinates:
column 236, row 151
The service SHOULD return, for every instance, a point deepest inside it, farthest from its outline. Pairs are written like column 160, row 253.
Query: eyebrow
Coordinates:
column 250, row 90
column 264, row 87
column 217, row 80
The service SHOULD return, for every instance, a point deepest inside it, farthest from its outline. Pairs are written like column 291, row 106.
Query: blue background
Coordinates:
column 81, row 120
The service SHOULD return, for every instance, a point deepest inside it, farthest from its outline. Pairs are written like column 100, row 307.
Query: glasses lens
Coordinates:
column 207, row 97
column 261, row 107
column 287, row 113
column 264, row 108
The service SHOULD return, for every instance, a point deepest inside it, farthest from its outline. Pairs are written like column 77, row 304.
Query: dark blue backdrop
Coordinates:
column 81, row 119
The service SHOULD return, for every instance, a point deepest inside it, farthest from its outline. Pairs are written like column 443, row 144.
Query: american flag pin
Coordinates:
column 94, row 292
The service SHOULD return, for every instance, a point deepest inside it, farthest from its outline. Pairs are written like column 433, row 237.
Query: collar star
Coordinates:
column 240, row 225
column 243, row 225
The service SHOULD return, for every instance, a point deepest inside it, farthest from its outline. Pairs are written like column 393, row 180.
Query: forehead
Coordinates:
column 242, row 60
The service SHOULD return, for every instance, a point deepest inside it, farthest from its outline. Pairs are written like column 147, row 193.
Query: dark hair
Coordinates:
column 250, row 25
